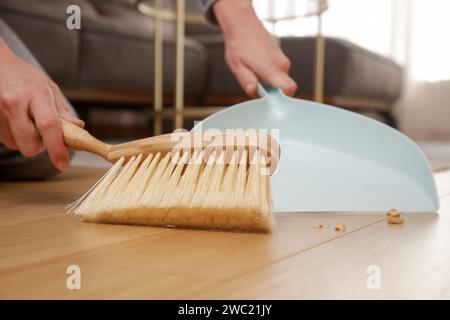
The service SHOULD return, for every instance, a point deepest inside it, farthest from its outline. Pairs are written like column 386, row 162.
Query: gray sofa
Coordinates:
column 113, row 49
column 113, row 52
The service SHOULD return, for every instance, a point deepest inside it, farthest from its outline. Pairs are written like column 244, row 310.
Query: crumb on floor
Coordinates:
column 394, row 217
column 393, row 213
column 339, row 227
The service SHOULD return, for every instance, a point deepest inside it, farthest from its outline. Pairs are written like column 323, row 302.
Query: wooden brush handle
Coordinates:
column 79, row 139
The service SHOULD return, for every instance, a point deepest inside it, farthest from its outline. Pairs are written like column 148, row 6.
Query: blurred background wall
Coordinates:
column 412, row 32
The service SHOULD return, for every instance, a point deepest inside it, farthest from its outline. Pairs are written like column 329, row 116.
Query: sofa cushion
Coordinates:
column 113, row 50
column 349, row 70
column 118, row 52
column 41, row 24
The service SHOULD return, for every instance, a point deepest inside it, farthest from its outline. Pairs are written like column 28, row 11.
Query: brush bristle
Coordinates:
column 183, row 191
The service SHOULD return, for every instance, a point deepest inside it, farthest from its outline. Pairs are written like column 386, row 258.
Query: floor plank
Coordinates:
column 139, row 264
column 38, row 241
column 413, row 259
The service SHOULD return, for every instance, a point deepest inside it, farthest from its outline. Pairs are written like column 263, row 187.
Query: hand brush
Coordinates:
column 199, row 180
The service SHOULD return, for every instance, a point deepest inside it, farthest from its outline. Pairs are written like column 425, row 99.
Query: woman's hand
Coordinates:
column 250, row 51
column 30, row 108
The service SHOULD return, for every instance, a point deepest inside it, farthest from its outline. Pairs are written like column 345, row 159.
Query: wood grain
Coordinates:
column 38, row 241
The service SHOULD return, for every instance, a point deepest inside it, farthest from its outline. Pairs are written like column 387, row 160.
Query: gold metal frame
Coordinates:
column 169, row 15
column 319, row 55
column 179, row 77
column 158, row 76
column 180, row 18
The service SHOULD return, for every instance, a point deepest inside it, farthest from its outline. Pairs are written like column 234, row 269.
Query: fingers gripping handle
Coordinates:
column 79, row 139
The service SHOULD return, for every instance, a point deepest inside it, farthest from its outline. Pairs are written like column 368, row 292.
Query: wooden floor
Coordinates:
column 38, row 242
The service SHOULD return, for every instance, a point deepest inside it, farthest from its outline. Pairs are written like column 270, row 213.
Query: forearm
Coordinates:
column 4, row 49
column 250, row 51
column 231, row 14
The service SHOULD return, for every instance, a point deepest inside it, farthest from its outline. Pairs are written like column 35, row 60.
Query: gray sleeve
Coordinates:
column 207, row 8
column 16, row 45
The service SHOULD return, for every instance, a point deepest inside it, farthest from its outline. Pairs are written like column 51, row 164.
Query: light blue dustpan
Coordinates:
column 333, row 159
